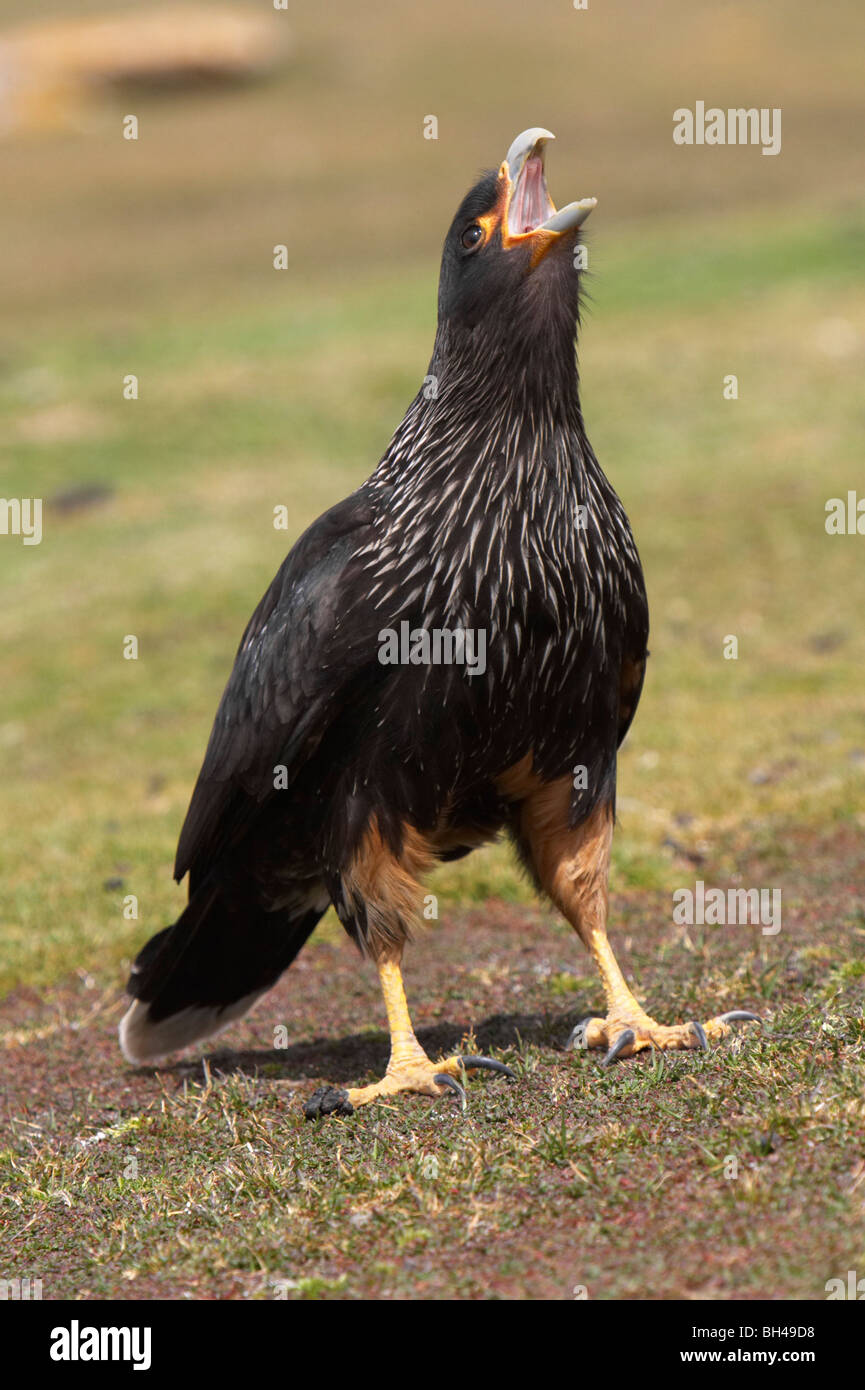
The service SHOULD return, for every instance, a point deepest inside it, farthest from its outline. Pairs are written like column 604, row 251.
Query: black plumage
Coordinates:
column 488, row 512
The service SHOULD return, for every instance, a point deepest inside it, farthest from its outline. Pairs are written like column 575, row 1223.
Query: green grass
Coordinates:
column 733, row 1174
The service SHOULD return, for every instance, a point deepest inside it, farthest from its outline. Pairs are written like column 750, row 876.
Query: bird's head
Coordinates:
column 509, row 273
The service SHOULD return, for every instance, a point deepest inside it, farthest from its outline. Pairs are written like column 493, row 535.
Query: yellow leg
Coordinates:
column 573, row 866
column 627, row 1027
column 409, row 1068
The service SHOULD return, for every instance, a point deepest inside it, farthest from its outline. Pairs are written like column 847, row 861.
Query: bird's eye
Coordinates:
column 472, row 236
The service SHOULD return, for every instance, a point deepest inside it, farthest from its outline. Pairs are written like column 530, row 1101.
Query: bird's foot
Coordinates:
column 626, row 1031
column 416, row 1073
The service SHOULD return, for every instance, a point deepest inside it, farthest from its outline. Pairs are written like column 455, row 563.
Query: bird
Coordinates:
column 453, row 652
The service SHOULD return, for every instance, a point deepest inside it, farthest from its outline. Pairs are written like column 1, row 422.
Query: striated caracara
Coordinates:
column 455, row 650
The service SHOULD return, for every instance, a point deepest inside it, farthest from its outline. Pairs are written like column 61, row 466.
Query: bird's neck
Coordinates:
column 485, row 409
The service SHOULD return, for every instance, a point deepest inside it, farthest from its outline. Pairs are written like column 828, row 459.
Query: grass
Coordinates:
column 258, row 390
column 736, row 1174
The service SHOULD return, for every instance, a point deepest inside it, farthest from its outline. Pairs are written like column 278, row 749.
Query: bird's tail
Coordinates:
column 191, row 980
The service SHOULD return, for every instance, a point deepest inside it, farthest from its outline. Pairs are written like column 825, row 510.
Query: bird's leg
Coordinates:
column 573, row 866
column 409, row 1068
column 378, row 896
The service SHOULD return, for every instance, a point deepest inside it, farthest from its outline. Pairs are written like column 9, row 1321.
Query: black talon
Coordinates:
column 488, row 1064
column 327, row 1100
column 700, row 1034
column 740, row 1016
column 622, row 1041
column 444, row 1080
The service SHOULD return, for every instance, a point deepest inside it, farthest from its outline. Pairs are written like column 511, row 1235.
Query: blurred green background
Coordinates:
column 261, row 387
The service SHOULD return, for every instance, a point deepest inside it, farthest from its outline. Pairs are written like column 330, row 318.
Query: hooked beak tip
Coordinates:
column 527, row 143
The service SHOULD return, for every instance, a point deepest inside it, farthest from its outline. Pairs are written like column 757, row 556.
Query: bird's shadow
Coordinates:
column 349, row 1058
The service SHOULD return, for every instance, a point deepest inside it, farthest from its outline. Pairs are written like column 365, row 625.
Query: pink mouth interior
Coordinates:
column 530, row 203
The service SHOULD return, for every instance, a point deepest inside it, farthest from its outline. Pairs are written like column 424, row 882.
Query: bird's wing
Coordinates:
column 292, row 674
column 633, row 668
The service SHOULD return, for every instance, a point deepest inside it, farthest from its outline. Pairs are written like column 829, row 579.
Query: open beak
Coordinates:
column 530, row 216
